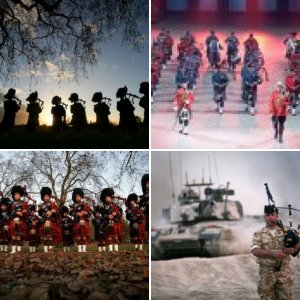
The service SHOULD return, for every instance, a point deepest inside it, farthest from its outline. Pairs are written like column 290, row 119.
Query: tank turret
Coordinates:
column 200, row 221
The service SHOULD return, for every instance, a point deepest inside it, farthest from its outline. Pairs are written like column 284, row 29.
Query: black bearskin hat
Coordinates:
column 122, row 92
column 56, row 100
column 132, row 197
column 77, row 191
column 45, row 191
column 270, row 209
column 106, row 192
column 74, row 97
column 17, row 189
column 64, row 209
column 144, row 180
column 97, row 97
column 32, row 97
column 10, row 94
column 144, row 88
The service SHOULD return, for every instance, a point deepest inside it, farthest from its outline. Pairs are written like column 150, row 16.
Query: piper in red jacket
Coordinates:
column 81, row 213
column 50, row 219
column 135, row 216
column 292, row 82
column 19, row 215
column 112, row 220
column 278, row 108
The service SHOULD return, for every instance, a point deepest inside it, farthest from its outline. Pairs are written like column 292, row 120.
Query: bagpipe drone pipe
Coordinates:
column 291, row 237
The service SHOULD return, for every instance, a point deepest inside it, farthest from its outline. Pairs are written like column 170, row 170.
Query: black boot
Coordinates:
column 280, row 139
column 276, row 134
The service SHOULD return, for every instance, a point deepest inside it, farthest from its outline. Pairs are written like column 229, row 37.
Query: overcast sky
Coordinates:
column 246, row 171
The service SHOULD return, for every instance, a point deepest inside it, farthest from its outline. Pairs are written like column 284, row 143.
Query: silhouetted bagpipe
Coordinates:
column 33, row 97
column 291, row 238
column 82, row 102
column 131, row 97
column 16, row 99
column 107, row 101
column 56, row 100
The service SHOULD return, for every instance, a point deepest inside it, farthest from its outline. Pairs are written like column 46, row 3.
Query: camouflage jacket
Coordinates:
column 265, row 240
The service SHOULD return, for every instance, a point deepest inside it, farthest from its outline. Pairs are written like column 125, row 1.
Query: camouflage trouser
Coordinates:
column 275, row 285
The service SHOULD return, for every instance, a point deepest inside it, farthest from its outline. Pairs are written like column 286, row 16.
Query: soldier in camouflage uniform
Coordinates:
column 273, row 258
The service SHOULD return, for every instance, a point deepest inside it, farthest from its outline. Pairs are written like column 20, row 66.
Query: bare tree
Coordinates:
column 63, row 171
column 68, row 33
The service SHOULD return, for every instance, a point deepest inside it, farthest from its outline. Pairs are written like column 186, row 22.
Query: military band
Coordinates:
column 50, row 223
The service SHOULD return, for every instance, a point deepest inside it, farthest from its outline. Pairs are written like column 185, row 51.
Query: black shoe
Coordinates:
column 280, row 139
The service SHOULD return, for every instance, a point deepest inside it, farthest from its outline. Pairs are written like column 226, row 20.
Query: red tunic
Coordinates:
column 17, row 226
column 82, row 225
column 278, row 104
column 50, row 229
column 182, row 96
column 137, row 224
column 113, row 223
column 293, row 83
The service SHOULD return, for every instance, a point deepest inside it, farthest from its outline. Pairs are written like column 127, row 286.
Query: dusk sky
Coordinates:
column 118, row 66
column 246, row 171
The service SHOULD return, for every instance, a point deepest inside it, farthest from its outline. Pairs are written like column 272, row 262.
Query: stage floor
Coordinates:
column 235, row 129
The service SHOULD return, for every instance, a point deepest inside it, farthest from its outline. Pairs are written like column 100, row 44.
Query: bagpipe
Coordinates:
column 107, row 101
column 63, row 104
column 17, row 100
column 291, row 238
column 132, row 96
column 29, row 198
column 82, row 102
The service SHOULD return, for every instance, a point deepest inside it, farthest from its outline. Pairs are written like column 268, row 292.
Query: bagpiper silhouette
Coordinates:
column 59, row 114
column 34, row 109
column 79, row 120
column 11, row 106
column 144, row 101
column 126, row 109
column 102, row 112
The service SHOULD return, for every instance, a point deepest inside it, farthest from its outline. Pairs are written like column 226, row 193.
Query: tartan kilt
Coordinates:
column 68, row 236
column 137, row 233
column 33, row 236
column 114, row 231
column 53, row 231
column 17, row 229
column 82, row 230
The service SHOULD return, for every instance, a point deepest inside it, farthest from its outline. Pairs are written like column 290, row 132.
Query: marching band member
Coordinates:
column 19, row 214
column 278, row 108
column 67, row 228
column 33, row 229
column 135, row 216
column 98, row 223
column 48, row 211
column 5, row 207
column 112, row 215
column 81, row 213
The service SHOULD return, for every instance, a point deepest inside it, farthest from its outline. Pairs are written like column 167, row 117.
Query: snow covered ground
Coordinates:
column 227, row 278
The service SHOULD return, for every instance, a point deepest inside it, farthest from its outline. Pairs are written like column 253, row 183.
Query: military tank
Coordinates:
column 198, row 226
